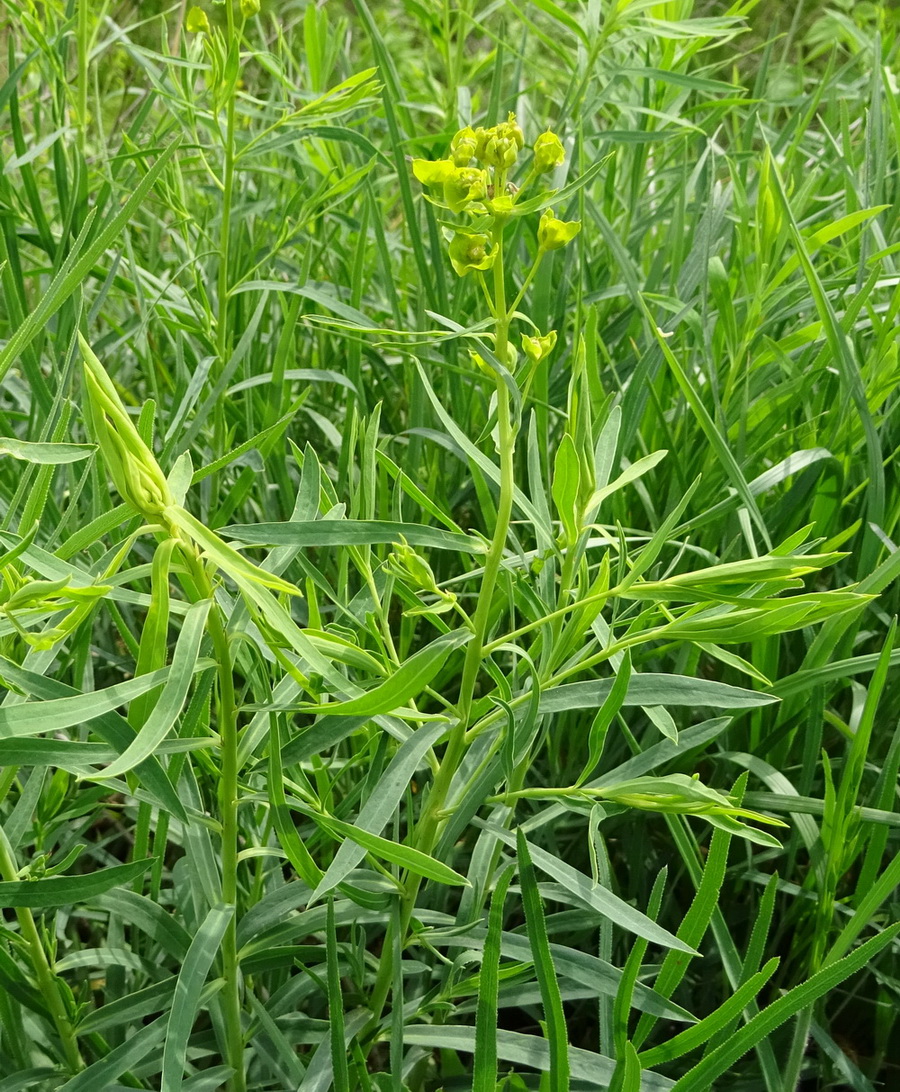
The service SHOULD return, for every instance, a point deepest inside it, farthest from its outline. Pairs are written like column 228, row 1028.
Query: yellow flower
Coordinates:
column 500, row 145
column 465, row 185
column 462, row 147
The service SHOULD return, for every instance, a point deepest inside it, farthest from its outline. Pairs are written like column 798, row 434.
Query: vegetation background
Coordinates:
column 210, row 880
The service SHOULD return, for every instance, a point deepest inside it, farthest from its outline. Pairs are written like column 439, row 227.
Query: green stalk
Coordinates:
column 475, row 648
column 82, row 87
column 43, row 972
column 222, row 338
column 226, row 723
column 428, row 829
column 227, row 201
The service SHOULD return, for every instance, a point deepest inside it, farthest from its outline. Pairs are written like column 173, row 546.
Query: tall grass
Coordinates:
column 385, row 708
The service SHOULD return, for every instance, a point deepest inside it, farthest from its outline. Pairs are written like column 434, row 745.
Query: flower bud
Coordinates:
column 197, row 21
column 415, row 571
column 500, row 150
column 769, row 220
column 405, row 562
column 548, row 152
column 514, row 131
column 536, row 348
column 129, row 462
column 462, row 147
column 502, row 208
column 554, row 234
column 468, row 252
column 249, row 8
column 481, row 139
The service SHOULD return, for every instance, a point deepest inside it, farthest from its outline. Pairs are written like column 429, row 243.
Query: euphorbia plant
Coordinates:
column 195, row 555
column 475, row 188
column 724, row 604
column 485, row 195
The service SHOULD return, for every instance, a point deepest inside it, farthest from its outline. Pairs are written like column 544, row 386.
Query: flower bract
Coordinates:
column 554, row 234
column 197, row 21
column 468, row 252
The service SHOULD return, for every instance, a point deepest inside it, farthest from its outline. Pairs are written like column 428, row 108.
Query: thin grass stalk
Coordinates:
column 226, row 723
column 43, row 972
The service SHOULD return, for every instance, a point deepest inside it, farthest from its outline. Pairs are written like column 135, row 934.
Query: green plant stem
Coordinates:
column 507, row 446
column 227, row 201
column 43, row 972
column 222, row 323
column 429, row 826
column 226, row 723
column 82, row 88
column 526, row 284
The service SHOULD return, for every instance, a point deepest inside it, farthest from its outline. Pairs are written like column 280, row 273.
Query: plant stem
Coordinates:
column 507, row 446
column 428, row 828
column 226, row 723
column 223, row 340
column 46, row 979
column 82, row 85
column 227, row 199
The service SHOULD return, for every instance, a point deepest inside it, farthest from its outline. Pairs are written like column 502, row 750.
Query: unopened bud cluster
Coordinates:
column 416, row 573
column 25, row 601
column 131, row 464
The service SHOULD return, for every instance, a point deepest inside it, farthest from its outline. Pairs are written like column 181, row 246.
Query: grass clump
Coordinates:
column 448, row 569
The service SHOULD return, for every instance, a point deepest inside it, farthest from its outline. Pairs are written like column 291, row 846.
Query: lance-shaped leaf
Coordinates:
column 410, row 679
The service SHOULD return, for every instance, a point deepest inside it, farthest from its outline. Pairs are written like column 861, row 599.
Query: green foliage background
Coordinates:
column 291, row 343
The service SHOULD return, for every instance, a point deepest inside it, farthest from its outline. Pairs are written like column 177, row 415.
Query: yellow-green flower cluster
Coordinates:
column 474, row 179
column 500, row 145
column 495, row 150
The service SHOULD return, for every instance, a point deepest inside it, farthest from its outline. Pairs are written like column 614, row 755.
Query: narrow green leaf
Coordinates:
column 612, row 703
column 693, row 1038
column 351, row 532
column 119, row 1060
column 45, row 454
column 381, row 804
column 484, row 1076
column 594, row 895
column 54, row 714
column 173, row 696
column 69, row 890
column 409, row 680
column 551, row 999
column 80, row 261
column 406, row 857
column 647, row 688
column 188, row 991
column 760, row 1026
column 336, row 1006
